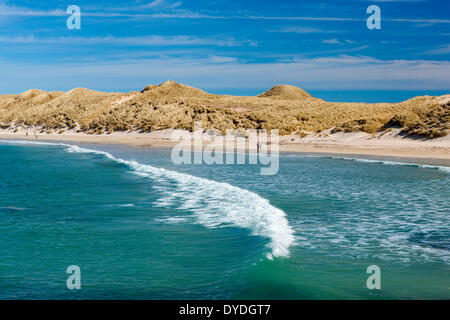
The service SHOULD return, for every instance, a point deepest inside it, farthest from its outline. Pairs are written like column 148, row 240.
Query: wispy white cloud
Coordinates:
column 444, row 49
column 107, row 13
column 155, row 3
column 221, row 59
column 27, row 12
column 330, row 73
column 161, row 4
column 432, row 21
column 396, row 0
column 174, row 13
column 299, row 29
column 298, row 18
column 331, row 41
column 151, row 40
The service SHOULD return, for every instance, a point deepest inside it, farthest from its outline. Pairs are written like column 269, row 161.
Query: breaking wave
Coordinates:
column 214, row 204
column 363, row 160
column 396, row 163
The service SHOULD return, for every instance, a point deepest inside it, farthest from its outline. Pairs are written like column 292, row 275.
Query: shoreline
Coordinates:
column 345, row 145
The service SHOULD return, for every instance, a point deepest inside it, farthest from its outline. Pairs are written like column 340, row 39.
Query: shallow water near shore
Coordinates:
column 140, row 227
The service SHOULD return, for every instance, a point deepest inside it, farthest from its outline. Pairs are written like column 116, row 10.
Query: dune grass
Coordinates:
column 172, row 105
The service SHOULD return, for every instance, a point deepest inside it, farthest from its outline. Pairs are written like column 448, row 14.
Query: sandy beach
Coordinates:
column 358, row 144
column 415, row 130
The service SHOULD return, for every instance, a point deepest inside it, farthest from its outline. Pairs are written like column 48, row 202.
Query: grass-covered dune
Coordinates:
column 173, row 105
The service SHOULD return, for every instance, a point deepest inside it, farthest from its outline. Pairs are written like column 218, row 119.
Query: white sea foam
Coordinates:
column 174, row 220
column 397, row 163
column 13, row 208
column 363, row 160
column 214, row 204
column 125, row 205
column 27, row 142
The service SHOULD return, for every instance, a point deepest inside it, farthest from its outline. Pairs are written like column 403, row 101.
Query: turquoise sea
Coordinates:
column 141, row 227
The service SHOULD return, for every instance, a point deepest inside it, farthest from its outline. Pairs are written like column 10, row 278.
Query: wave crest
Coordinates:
column 215, row 204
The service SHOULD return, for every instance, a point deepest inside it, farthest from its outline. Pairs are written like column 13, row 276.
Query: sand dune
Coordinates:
column 289, row 109
column 286, row 92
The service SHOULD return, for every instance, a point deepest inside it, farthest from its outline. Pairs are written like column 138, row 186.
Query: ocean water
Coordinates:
column 141, row 227
column 364, row 96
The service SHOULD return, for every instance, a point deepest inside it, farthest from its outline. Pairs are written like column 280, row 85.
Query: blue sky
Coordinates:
column 224, row 46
